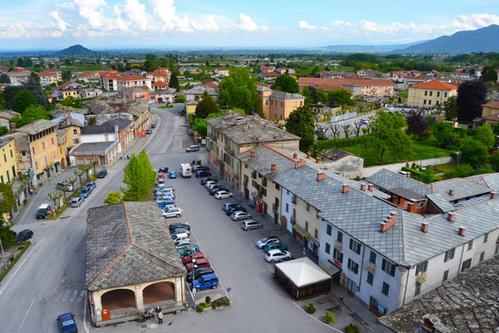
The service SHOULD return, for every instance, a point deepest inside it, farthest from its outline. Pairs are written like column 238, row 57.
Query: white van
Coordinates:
column 186, row 170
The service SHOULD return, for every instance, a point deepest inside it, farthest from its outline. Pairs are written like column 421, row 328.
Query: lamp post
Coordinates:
column 4, row 224
column 193, row 268
column 228, row 291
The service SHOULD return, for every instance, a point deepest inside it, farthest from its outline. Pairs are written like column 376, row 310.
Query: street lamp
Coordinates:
column 228, row 291
column 4, row 225
column 193, row 268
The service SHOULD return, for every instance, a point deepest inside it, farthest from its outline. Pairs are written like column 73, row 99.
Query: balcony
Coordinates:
column 338, row 245
column 421, row 278
column 370, row 267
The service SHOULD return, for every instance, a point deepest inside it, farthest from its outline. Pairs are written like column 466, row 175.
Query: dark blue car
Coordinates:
column 206, row 281
column 202, row 174
column 163, row 203
column 67, row 323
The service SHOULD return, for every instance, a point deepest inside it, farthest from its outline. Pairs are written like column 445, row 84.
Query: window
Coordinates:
column 429, row 102
column 431, row 93
column 449, row 255
column 340, row 237
column 466, row 265
column 11, row 155
column 1, row 179
column 316, row 233
column 388, row 267
column 287, row 207
column 75, row 131
column 338, row 255
column 422, row 267
column 445, row 94
column 426, row 92
column 424, row 101
column 327, row 248
column 486, row 237
column 308, row 207
column 417, row 290
column 43, row 145
column 5, row 158
column 354, row 246
column 306, row 226
column 470, row 245
column 386, row 289
column 438, row 93
column 446, row 276
column 277, row 187
column 372, row 257
column 353, row 266
column 329, row 229
column 482, row 255
column 370, row 278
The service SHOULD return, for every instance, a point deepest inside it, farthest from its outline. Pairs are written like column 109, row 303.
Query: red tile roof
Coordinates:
column 435, row 85
column 162, row 72
column 494, row 104
column 160, row 84
column 332, row 84
column 49, row 72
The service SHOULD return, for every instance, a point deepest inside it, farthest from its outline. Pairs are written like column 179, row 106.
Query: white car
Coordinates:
column 182, row 242
column 267, row 240
column 210, row 182
column 223, row 194
column 240, row 216
column 277, row 255
column 172, row 212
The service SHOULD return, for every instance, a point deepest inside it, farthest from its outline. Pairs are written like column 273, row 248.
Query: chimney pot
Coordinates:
column 318, row 160
column 492, row 195
column 273, row 167
column 461, row 230
column 425, row 227
column 451, row 217
column 363, row 186
column 309, row 155
column 253, row 154
column 320, row 176
column 295, row 155
column 451, row 192
column 345, row 188
column 370, row 187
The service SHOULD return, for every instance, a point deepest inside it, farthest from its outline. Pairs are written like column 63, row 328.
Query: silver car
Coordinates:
column 76, row 202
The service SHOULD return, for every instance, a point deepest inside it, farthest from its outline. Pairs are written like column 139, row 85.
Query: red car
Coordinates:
column 199, row 263
column 188, row 259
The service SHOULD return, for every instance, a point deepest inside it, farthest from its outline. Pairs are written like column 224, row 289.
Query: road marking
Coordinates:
column 26, row 314
column 85, row 316
column 320, row 321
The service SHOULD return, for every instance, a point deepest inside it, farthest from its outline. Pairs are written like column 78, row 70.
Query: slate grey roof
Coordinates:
column 5, row 140
column 466, row 304
column 106, row 127
column 387, row 180
column 93, row 148
column 249, row 129
column 490, row 180
column 461, row 187
column 264, row 159
column 36, row 127
column 442, row 203
column 282, row 95
column 128, row 244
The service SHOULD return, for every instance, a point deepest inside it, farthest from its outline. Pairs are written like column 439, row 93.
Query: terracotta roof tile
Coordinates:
column 435, row 85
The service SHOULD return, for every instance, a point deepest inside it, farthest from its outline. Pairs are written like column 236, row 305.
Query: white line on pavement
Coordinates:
column 26, row 314
column 85, row 315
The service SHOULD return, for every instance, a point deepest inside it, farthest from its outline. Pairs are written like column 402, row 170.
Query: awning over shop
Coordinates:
column 329, row 268
column 302, row 232
column 302, row 272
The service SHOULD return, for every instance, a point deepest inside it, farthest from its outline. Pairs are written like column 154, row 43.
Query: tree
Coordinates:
column 79, row 172
column 489, row 74
column 72, row 102
column 92, row 121
column 417, row 124
column 7, row 236
column 22, row 100
column 485, row 135
column 450, row 108
column 474, row 152
column 71, row 181
column 139, row 178
column 37, row 90
column 301, row 123
column 113, row 198
column 32, row 112
column 55, row 197
column 206, row 106
column 3, row 130
column 286, row 83
column 174, row 81
column 335, row 130
column 340, row 97
column 444, row 135
column 8, row 199
column 66, row 74
column 471, row 96
column 151, row 63
column 4, row 78
column 357, row 128
column 238, row 90
column 347, row 130
column 201, row 126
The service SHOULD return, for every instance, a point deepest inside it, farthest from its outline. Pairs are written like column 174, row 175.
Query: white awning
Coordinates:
column 302, row 272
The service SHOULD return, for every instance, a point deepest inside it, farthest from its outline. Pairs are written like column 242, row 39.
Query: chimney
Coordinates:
column 363, row 187
column 309, row 155
column 424, row 227
column 388, row 222
column 492, row 195
column 12, row 127
column 295, row 155
column 370, row 187
column 345, row 188
column 461, row 230
column 300, row 164
column 273, row 167
column 252, row 154
column 318, row 160
column 451, row 217
column 320, row 176
column 451, row 192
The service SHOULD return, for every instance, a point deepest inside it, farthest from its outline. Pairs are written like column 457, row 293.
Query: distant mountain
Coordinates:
column 480, row 40
column 76, row 50
column 367, row 48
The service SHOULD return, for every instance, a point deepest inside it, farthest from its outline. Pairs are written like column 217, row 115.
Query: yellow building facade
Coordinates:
column 8, row 164
column 430, row 94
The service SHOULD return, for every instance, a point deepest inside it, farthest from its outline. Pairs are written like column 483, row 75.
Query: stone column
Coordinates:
column 139, row 299
column 179, row 289
column 96, row 298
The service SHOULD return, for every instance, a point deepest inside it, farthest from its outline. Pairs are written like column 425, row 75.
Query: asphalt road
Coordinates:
column 50, row 278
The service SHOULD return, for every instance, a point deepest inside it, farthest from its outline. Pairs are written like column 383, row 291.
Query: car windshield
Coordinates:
column 41, row 210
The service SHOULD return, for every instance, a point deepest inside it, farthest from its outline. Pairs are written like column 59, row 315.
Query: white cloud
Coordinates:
column 136, row 13
column 92, row 11
column 58, row 21
column 166, row 11
column 306, row 26
column 247, row 23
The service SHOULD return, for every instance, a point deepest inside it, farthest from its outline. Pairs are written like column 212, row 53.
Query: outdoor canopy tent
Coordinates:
column 302, row 277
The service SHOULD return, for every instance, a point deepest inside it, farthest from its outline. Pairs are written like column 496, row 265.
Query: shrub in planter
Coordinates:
column 351, row 328
column 214, row 305
column 207, row 299
column 329, row 318
column 310, row 308
column 199, row 308
column 223, row 301
column 206, row 305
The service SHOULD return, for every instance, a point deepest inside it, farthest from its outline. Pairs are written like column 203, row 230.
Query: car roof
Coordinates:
column 209, row 276
column 276, row 251
column 43, row 206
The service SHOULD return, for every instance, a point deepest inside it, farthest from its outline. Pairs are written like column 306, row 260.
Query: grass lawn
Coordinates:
column 164, row 107
column 23, row 247
column 419, row 151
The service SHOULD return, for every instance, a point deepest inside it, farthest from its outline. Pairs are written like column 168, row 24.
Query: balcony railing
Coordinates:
column 421, row 278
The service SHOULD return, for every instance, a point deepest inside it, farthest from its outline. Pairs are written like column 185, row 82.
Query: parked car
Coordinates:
column 164, row 170
column 275, row 246
column 267, row 240
column 172, row 212
column 43, row 211
column 192, row 148
column 149, row 131
column 250, row 224
column 182, row 242
column 102, row 173
column 172, row 174
column 277, row 255
column 177, row 237
column 199, row 272
column 66, row 323
column 188, row 259
column 223, row 194
column 178, row 231
column 200, row 168
column 202, row 173
column 161, row 183
column 63, row 186
column 76, row 202
column 199, row 263
column 227, row 205
column 24, row 235
column 187, row 249
column 206, row 281
column 240, row 216
column 165, row 195
column 210, row 185
column 236, row 208
column 163, row 203
column 174, row 226
column 215, row 189
column 91, row 186
column 210, row 182
column 84, row 192
column 205, row 180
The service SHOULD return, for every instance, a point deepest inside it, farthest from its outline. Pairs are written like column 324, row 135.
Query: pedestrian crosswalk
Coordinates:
column 71, row 296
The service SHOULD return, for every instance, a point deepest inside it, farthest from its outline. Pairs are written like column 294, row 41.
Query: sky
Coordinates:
column 167, row 24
